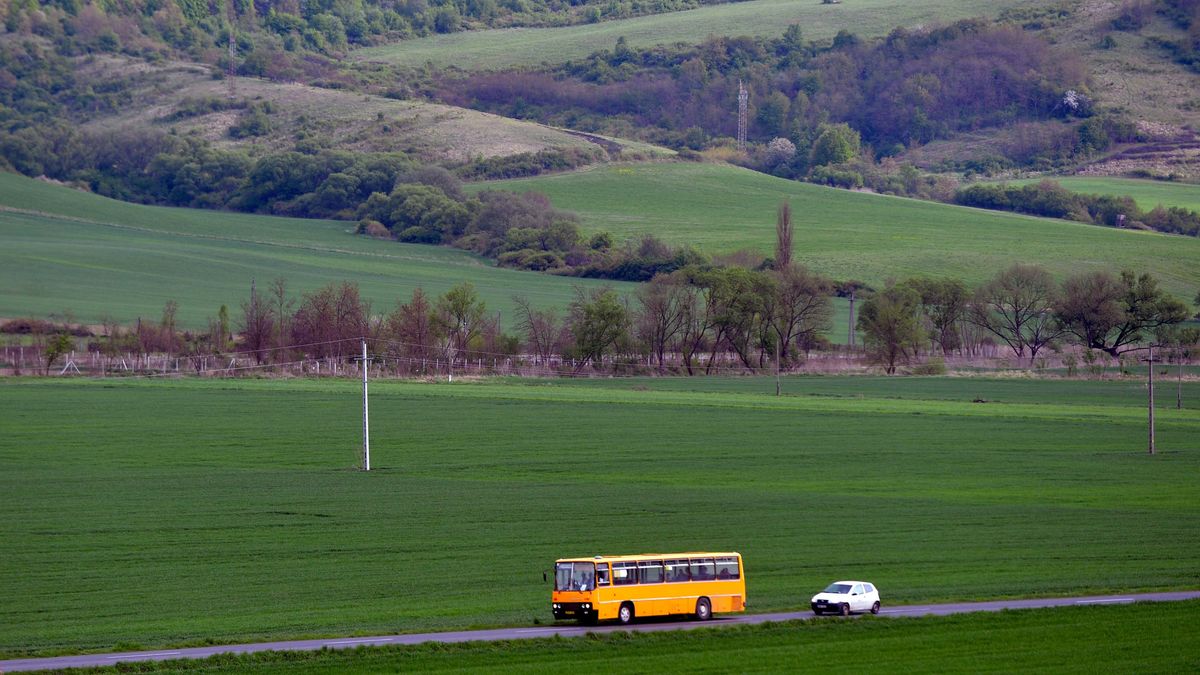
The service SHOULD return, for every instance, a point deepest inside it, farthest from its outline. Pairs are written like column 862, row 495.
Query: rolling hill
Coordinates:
column 523, row 47
column 720, row 208
column 67, row 251
column 338, row 118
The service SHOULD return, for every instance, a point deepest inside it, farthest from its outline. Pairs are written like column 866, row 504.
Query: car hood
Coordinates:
column 831, row 597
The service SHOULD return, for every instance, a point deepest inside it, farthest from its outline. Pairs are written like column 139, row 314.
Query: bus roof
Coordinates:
column 652, row 556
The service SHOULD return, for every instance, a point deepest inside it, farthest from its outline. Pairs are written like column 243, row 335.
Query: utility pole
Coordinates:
column 850, row 330
column 777, row 386
column 1150, row 388
column 366, row 425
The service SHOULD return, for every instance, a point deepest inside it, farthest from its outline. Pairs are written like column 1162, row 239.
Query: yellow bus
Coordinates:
column 624, row 587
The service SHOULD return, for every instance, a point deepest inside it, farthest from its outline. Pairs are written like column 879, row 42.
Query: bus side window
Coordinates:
column 624, row 573
column 727, row 568
column 677, row 570
column 651, row 571
column 703, row 569
column 602, row 574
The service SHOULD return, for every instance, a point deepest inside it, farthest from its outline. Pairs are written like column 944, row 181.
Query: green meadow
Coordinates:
column 849, row 235
column 1147, row 193
column 526, row 47
column 1151, row 637
column 163, row 512
column 69, row 252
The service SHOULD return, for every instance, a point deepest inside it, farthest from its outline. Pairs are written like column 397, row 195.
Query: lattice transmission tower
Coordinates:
column 743, row 98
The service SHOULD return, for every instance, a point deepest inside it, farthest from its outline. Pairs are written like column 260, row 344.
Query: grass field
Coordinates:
column 233, row 511
column 847, row 234
column 69, row 252
column 1138, row 638
column 72, row 251
column 524, row 47
column 1147, row 193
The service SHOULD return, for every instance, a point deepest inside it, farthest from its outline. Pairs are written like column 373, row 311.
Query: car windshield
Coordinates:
column 578, row 576
column 838, row 588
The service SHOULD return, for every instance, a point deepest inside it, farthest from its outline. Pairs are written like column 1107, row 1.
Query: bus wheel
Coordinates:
column 703, row 609
column 625, row 614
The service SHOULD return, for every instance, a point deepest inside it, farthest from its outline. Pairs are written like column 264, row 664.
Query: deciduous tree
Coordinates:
column 1111, row 313
column 598, row 323
column 1017, row 306
column 890, row 325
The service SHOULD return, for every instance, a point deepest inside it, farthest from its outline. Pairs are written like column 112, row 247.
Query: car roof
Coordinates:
column 853, row 582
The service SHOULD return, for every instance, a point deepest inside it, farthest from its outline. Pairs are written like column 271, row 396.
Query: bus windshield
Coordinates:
column 576, row 576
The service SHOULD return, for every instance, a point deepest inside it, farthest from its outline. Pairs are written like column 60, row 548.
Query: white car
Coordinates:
column 845, row 597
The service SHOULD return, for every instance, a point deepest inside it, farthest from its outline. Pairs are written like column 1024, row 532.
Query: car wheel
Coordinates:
column 703, row 609
column 875, row 607
column 845, row 609
column 625, row 614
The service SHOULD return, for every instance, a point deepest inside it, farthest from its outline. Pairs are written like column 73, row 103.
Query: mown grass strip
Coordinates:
column 1150, row 637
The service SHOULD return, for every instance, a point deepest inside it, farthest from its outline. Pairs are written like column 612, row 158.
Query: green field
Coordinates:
column 850, row 235
column 232, row 512
column 69, row 251
column 1147, row 193
column 1138, row 638
column 66, row 252
column 523, row 47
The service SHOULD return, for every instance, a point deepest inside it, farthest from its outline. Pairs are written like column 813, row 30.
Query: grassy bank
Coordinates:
column 1140, row 638
column 844, row 234
column 234, row 511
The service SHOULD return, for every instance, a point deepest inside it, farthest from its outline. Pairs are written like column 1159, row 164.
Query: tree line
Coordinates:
column 690, row 321
column 1024, row 309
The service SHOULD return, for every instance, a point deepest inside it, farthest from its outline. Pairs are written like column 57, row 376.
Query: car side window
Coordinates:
column 857, row 590
column 869, row 588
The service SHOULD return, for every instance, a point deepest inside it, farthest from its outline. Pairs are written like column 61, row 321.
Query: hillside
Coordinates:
column 844, row 234
column 69, row 251
column 500, row 49
column 1147, row 193
column 178, row 97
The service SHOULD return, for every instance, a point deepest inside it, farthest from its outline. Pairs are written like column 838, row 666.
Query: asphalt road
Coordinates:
column 89, row 660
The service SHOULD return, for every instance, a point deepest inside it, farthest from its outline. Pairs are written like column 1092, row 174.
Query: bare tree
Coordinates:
column 258, row 322
column 542, row 328
column 330, row 320
column 943, row 304
column 411, row 329
column 167, row 336
column 1017, row 307
column 783, row 236
column 660, row 317
column 282, row 305
column 799, row 309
